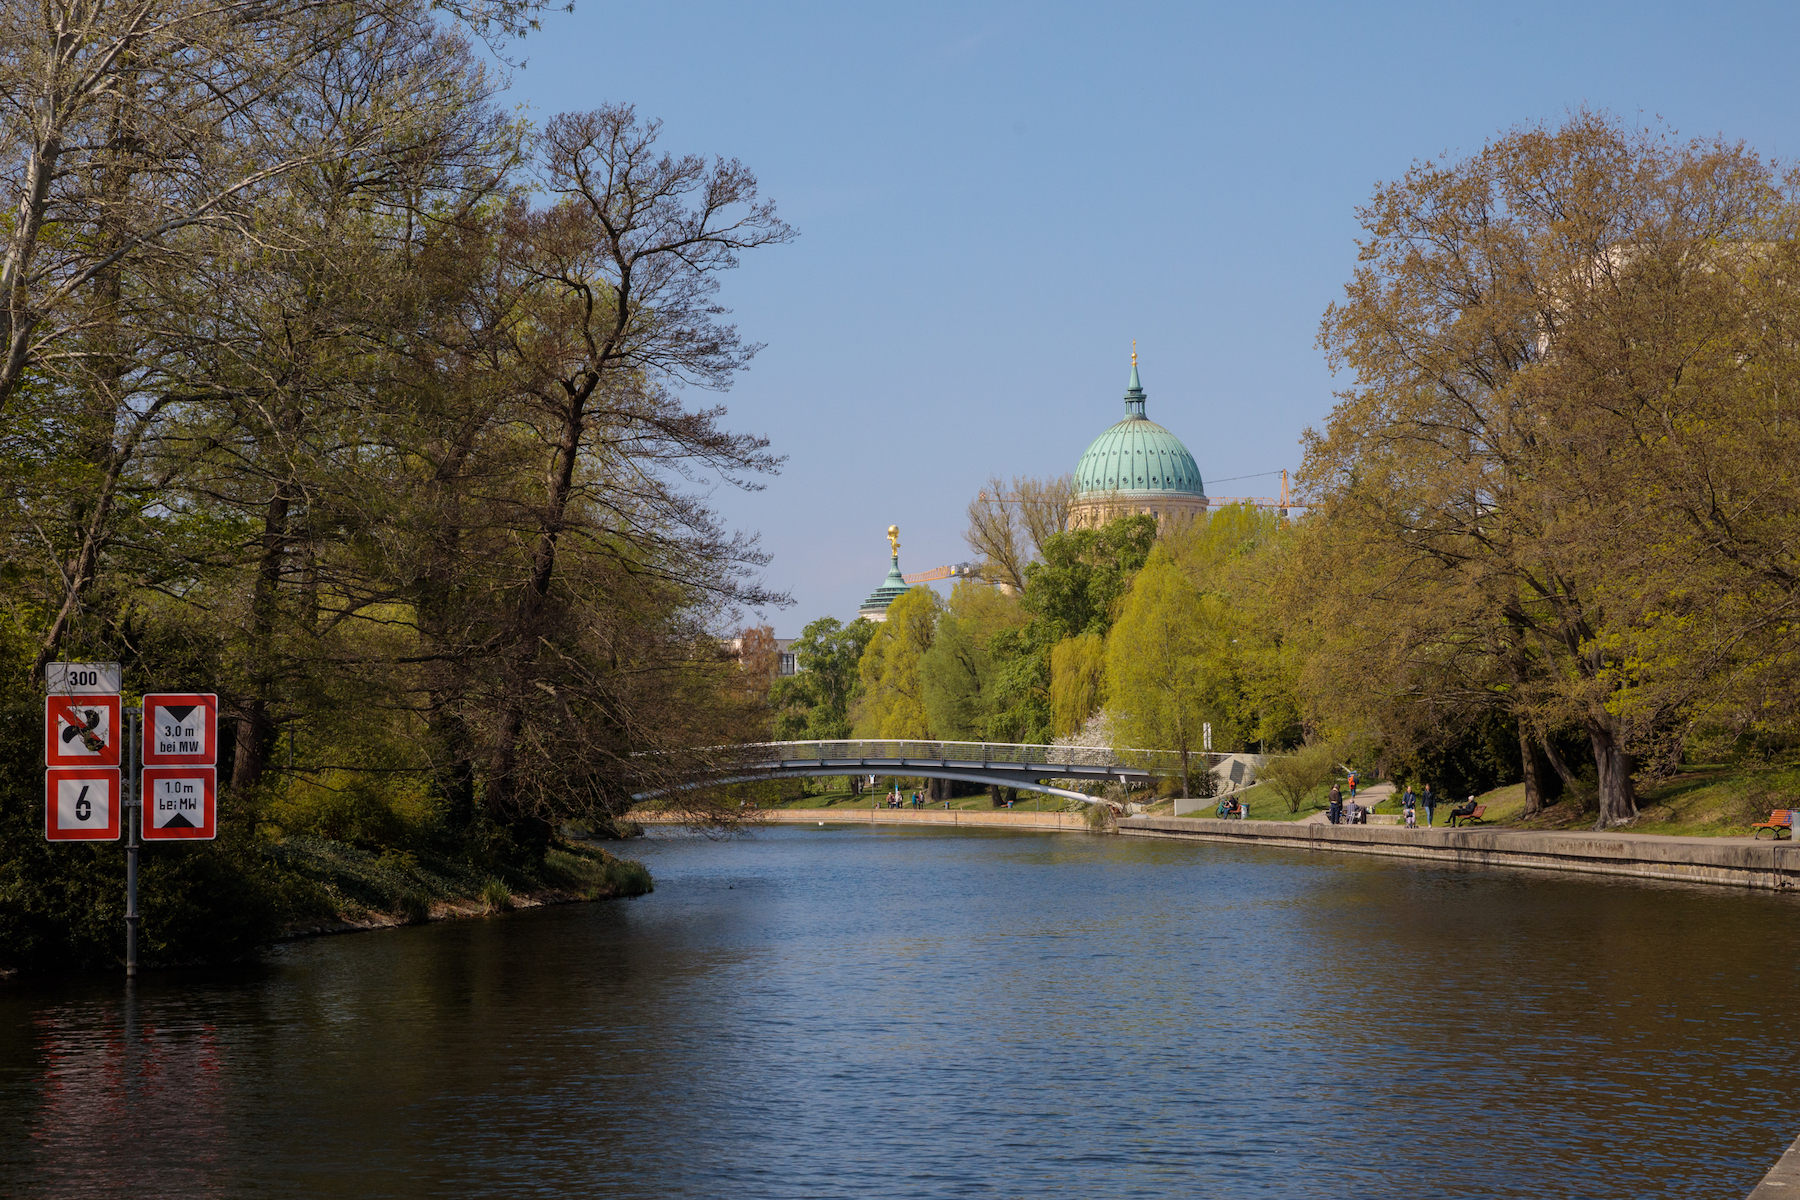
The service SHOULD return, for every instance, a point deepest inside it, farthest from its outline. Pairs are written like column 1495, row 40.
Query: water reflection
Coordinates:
column 918, row 1013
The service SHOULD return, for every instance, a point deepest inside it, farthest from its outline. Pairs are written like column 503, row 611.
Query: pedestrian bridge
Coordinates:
column 1030, row 768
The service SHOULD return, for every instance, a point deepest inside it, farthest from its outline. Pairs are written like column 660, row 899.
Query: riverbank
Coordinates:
column 344, row 889
column 1732, row 862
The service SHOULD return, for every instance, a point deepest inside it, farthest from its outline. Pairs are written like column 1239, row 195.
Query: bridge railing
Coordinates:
column 861, row 749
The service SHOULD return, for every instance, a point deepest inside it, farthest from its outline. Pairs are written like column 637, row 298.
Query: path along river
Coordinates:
column 899, row 1012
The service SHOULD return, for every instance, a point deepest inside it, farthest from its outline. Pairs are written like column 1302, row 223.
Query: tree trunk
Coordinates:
column 454, row 766
column 1558, row 763
column 504, row 794
column 1528, row 761
column 1184, row 773
column 1618, row 796
column 256, row 728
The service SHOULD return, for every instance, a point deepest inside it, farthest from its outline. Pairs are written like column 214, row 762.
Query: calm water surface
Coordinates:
column 900, row 1013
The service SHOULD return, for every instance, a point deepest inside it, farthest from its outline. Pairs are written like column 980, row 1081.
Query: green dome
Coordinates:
column 1138, row 457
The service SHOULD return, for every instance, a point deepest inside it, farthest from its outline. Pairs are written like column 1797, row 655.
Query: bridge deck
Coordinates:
column 1024, row 766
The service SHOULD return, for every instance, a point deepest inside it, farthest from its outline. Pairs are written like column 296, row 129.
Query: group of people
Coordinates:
column 1341, row 811
column 894, row 800
column 1409, row 804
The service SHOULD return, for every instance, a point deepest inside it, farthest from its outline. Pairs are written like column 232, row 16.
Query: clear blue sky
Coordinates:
column 994, row 199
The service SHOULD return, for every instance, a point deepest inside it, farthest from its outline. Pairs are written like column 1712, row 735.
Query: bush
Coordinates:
column 1296, row 775
column 414, row 908
column 357, row 809
column 496, row 896
column 621, row 877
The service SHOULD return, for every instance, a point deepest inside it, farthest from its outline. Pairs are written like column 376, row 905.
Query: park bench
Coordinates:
column 1479, row 814
column 1780, row 821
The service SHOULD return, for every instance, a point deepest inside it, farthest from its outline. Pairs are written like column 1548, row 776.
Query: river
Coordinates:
column 922, row 1013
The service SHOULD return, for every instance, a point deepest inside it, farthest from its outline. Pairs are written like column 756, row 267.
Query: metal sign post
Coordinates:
column 133, row 798
column 95, row 752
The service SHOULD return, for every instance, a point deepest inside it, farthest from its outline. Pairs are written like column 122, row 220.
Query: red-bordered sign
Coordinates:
column 181, row 729
column 81, row 731
column 81, row 804
column 180, row 803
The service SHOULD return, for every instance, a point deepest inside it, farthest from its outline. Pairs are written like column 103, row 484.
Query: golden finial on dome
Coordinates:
column 1134, row 352
column 894, row 539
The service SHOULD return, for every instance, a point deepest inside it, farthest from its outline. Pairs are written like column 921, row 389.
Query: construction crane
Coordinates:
column 1281, row 503
column 951, row 571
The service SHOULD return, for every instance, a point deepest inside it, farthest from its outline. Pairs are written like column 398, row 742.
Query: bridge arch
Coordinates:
column 1022, row 766
column 1023, row 785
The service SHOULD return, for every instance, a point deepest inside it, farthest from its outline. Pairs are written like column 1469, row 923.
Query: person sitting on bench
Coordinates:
column 1465, row 809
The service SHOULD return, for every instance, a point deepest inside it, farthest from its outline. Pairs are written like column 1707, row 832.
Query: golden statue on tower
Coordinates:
column 894, row 539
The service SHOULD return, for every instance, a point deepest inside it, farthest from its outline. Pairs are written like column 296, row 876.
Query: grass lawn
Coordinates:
column 1698, row 801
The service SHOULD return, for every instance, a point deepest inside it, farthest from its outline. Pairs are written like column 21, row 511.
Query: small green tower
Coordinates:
column 891, row 589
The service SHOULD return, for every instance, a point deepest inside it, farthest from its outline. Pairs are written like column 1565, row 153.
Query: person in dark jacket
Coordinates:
column 1335, row 809
column 1429, row 802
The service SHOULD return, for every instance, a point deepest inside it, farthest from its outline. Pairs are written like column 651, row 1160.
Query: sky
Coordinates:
column 994, row 199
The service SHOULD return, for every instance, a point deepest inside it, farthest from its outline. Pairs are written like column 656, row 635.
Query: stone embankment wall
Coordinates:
column 1783, row 1180
column 1736, row 862
column 1071, row 822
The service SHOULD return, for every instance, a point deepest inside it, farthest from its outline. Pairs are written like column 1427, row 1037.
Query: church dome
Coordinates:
column 1137, row 458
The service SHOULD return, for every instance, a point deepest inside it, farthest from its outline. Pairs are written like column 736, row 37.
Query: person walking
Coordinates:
column 1353, row 785
column 1408, row 803
column 1335, row 810
column 1430, row 802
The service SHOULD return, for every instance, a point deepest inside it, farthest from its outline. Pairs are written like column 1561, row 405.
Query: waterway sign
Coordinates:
column 81, row 804
column 81, row 731
column 180, row 803
column 181, row 729
column 82, row 679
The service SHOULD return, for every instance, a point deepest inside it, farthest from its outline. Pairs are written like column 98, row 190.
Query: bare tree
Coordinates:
column 1009, row 523
column 621, row 269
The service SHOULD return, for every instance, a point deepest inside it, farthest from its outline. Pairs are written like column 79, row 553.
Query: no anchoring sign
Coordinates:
column 81, row 731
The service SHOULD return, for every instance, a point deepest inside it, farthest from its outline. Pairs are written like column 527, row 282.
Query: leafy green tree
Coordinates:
column 1077, row 586
column 959, row 670
column 1238, row 557
column 892, row 700
column 814, row 703
column 1525, row 328
column 1077, row 681
column 1157, row 660
column 1073, row 590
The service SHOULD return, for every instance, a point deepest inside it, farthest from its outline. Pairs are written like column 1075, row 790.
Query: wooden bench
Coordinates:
column 1479, row 814
column 1780, row 821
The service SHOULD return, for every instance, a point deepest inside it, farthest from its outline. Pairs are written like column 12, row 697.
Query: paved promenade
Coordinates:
column 1734, row 862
